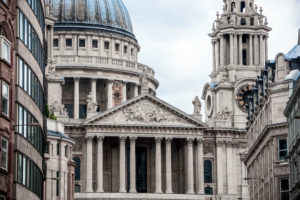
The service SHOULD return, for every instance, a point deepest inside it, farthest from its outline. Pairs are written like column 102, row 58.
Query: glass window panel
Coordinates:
column 207, row 171
column 20, row 168
column 21, row 26
column 25, row 123
column 26, row 32
column 20, row 120
column 5, row 99
column 4, row 154
column 24, row 171
column 21, row 73
column 6, row 51
column 25, row 77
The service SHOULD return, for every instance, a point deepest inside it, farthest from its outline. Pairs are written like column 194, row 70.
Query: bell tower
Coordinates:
column 240, row 48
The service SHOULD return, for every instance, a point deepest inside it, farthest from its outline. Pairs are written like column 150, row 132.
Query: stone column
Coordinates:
column 217, row 45
column 190, row 167
column 200, row 167
column 109, row 94
column 122, row 165
column 219, row 167
column 250, row 49
column 89, row 164
column 93, row 88
column 241, row 49
column 266, row 48
column 231, row 50
column 100, row 164
column 158, row 165
column 76, row 97
column 236, row 58
column 214, row 54
column 256, row 50
column 261, row 50
column 136, row 90
column 124, row 92
column 132, row 165
column 222, row 63
column 229, row 167
column 168, row 166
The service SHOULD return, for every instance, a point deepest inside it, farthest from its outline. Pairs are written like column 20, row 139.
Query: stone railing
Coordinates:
column 94, row 61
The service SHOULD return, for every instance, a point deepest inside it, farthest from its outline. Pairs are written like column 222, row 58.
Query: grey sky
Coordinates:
column 174, row 41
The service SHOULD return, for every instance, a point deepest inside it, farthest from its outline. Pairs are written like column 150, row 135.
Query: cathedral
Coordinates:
column 126, row 142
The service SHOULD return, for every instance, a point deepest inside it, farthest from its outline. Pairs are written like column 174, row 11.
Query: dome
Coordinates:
column 293, row 53
column 96, row 15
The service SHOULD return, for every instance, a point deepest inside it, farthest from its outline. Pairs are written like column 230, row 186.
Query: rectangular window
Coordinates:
column 57, row 148
column 284, row 189
column 57, row 183
column 95, row 43
column 5, row 49
column 55, row 43
column 117, row 47
column 4, row 154
column 106, row 45
column 68, row 42
column 66, row 151
column 131, row 52
column 5, row 99
column 282, row 149
column 81, row 42
column 125, row 49
column 46, row 150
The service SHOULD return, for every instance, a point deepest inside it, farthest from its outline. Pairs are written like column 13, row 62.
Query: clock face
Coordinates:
column 242, row 94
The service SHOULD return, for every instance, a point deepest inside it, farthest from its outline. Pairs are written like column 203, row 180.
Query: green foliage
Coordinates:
column 47, row 112
column 52, row 116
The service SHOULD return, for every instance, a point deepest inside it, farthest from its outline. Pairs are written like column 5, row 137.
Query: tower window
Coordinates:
column 244, row 57
column 95, row 43
column 55, row 43
column 81, row 42
column 243, row 21
column 132, row 52
column 244, row 39
column 106, row 45
column 125, row 49
column 207, row 171
column 117, row 47
column 251, row 21
column 242, row 6
column 68, row 42
column 77, row 168
column 232, row 6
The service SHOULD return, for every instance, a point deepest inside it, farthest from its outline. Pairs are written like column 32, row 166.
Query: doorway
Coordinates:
column 141, row 169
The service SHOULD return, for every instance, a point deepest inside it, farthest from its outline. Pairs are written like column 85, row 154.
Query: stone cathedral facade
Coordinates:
column 129, row 144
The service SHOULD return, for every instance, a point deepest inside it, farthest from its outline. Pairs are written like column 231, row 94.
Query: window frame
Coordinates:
column 69, row 39
column 95, row 44
column 280, row 186
column 106, row 45
column 5, row 97
column 6, row 153
column 282, row 150
column 81, row 43
column 55, row 41
column 2, row 197
column 4, row 40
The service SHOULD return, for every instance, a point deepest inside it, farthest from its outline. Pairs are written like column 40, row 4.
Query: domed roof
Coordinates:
column 103, row 15
column 293, row 53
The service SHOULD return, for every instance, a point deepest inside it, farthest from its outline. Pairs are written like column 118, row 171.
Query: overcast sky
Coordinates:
column 174, row 41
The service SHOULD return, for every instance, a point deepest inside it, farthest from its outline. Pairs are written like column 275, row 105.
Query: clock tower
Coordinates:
column 240, row 49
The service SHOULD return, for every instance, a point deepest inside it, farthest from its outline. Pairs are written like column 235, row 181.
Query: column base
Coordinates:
column 122, row 191
column 132, row 191
column 89, row 190
column 169, row 192
column 190, row 192
column 99, row 191
column 158, row 192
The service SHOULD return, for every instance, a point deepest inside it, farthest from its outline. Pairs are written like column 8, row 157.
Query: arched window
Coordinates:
column 232, row 6
column 207, row 171
column 4, row 46
column 77, row 168
column 243, row 6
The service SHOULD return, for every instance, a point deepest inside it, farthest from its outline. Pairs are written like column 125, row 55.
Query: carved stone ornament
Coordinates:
column 225, row 115
column 58, row 109
column 208, row 148
column 144, row 80
column 197, row 105
column 91, row 104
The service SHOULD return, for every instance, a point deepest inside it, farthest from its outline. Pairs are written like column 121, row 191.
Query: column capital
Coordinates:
column 229, row 143
column 190, row 140
column 89, row 139
column 169, row 139
column 133, row 138
column 76, row 78
column 220, row 142
column 158, row 139
column 200, row 140
column 100, row 138
column 122, row 138
column 94, row 79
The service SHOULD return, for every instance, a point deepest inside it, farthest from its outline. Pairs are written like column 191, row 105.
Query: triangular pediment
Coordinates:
column 145, row 110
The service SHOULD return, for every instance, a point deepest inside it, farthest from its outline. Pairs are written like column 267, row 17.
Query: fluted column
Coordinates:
column 109, row 94
column 256, row 50
column 229, row 167
column 214, row 54
column 235, row 44
column 122, row 165
column 219, row 167
column 132, row 165
column 217, row 45
column 241, row 49
column 261, row 50
column 136, row 90
column 168, row 166
column 267, row 48
column 200, row 189
column 190, row 167
column 76, row 97
column 250, row 49
column 158, row 165
column 89, row 164
column 124, row 92
column 231, row 50
column 93, row 88
column 222, row 63
column 100, row 164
